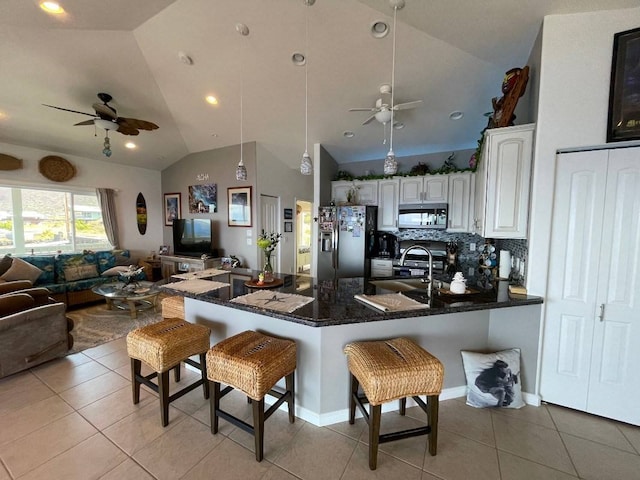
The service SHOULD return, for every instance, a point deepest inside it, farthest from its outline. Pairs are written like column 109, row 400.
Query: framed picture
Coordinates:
column 163, row 250
column 239, row 206
column 624, row 92
column 172, row 208
column 288, row 226
column 288, row 213
column 203, row 198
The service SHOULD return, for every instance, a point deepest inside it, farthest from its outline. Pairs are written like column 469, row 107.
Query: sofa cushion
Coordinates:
column 21, row 270
column 46, row 263
column 115, row 271
column 80, row 272
column 66, row 260
column 16, row 302
column 84, row 284
column 5, row 263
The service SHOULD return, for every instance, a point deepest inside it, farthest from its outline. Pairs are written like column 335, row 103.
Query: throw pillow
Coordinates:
column 21, row 270
column 115, row 271
column 124, row 260
column 71, row 274
column 5, row 263
column 493, row 379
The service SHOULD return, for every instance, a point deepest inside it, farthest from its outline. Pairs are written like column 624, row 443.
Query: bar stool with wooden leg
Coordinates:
column 163, row 346
column 393, row 370
column 252, row 362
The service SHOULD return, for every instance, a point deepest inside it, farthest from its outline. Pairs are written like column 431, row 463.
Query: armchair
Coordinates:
column 32, row 330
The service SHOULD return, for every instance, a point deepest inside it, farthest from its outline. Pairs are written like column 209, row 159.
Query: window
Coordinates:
column 50, row 221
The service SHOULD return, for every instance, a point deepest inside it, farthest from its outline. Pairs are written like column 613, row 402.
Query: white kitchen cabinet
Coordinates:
column 502, row 183
column 429, row 188
column 591, row 341
column 461, row 200
column 366, row 191
column 388, row 196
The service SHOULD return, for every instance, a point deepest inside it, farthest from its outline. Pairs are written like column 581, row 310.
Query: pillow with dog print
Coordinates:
column 493, row 379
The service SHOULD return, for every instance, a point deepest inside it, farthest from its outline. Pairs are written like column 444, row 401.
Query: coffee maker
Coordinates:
column 386, row 245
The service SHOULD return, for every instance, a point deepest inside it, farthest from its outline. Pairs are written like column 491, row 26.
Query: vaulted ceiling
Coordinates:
column 451, row 54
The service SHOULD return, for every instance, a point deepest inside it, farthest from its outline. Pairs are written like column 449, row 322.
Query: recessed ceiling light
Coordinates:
column 379, row 29
column 2, row 115
column 298, row 59
column 398, row 125
column 211, row 99
column 130, row 145
column 214, row 135
column 457, row 115
column 349, row 134
column 52, row 7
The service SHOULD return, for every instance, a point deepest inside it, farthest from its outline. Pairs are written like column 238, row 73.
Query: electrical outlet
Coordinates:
column 249, row 241
column 472, row 272
column 472, row 247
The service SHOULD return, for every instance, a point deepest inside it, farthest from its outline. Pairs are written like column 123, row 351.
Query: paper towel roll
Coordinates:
column 505, row 264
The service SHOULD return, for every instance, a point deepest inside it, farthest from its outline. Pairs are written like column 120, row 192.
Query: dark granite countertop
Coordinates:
column 334, row 302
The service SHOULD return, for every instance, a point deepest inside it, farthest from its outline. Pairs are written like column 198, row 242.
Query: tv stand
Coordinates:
column 172, row 264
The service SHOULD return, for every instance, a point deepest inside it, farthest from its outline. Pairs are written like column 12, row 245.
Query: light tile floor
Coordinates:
column 73, row 419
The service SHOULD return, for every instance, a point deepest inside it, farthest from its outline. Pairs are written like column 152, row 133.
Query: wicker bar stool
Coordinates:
column 162, row 346
column 393, row 370
column 173, row 307
column 252, row 363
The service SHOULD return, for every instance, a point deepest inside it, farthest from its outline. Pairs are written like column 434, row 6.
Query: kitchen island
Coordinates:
column 333, row 318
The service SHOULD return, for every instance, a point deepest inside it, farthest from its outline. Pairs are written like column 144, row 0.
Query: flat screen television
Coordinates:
column 192, row 237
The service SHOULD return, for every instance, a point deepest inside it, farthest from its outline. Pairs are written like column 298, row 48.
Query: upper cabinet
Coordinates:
column 365, row 191
column 461, row 202
column 502, row 183
column 430, row 188
column 388, row 194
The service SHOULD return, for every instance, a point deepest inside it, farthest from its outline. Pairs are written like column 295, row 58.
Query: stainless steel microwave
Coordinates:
column 423, row 215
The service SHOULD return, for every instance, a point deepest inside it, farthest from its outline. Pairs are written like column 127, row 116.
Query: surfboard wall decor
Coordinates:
column 141, row 213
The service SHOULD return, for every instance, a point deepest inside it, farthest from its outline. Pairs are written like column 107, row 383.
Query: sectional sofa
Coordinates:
column 70, row 276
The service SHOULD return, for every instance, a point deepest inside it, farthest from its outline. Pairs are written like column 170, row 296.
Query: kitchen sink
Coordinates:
column 400, row 284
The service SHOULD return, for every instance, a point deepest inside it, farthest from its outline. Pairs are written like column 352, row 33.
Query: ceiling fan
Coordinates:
column 106, row 117
column 383, row 108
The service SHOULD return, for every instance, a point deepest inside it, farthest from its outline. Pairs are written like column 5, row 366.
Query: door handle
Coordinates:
column 601, row 316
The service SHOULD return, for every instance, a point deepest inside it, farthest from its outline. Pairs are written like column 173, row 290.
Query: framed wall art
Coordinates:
column 624, row 92
column 172, row 208
column 203, row 198
column 288, row 213
column 288, row 226
column 239, row 206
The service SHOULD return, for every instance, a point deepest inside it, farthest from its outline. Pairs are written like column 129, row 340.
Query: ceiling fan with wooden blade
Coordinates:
column 106, row 117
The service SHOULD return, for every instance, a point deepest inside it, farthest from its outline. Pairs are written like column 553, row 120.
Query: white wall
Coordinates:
column 572, row 109
column 127, row 181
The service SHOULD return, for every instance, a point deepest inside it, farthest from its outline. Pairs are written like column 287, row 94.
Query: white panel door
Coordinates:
column 614, row 387
column 573, row 278
column 270, row 222
column 460, row 202
column 411, row 189
column 388, row 195
column 436, row 188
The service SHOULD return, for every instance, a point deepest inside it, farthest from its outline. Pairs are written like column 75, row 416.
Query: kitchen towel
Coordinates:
column 505, row 264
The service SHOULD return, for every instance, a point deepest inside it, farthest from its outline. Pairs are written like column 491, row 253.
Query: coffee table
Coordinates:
column 136, row 298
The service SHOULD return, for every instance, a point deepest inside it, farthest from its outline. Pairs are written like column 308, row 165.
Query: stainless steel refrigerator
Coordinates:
column 346, row 242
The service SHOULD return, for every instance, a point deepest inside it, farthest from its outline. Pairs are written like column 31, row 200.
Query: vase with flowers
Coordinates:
column 268, row 242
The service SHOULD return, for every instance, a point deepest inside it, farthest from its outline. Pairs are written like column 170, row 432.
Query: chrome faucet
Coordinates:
column 430, row 276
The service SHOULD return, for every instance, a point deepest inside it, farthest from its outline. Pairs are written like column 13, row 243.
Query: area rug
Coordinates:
column 95, row 325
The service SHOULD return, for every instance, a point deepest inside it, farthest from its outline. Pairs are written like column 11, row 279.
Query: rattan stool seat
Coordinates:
column 165, row 344
column 251, row 362
column 389, row 370
column 173, row 307
column 393, row 369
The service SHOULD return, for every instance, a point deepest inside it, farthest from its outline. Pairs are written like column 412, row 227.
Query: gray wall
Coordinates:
column 220, row 166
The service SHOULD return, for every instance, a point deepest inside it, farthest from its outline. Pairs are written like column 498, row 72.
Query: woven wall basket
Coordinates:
column 56, row 169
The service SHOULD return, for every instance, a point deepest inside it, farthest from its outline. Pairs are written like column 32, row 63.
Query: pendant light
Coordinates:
column 306, row 167
column 241, row 170
column 390, row 163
